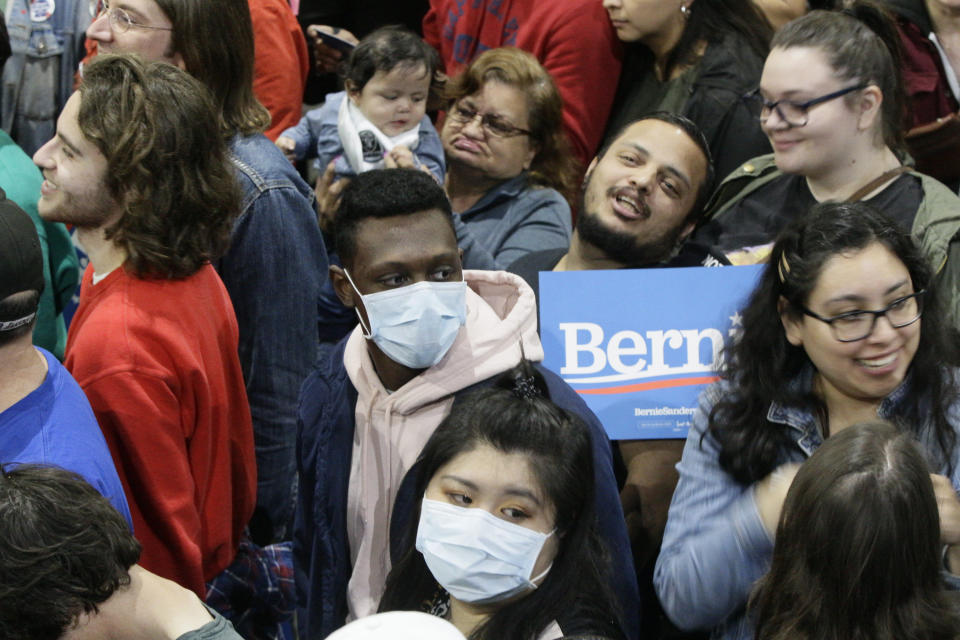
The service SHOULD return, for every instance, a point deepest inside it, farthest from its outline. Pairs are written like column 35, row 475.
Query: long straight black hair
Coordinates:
column 515, row 415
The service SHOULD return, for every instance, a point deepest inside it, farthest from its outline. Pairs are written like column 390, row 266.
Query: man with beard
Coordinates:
column 642, row 197
column 138, row 165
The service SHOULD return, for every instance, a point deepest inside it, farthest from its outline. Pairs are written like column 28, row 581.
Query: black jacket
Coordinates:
column 728, row 70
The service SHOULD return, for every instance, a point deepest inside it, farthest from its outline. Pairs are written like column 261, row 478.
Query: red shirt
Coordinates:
column 572, row 39
column 158, row 361
column 281, row 63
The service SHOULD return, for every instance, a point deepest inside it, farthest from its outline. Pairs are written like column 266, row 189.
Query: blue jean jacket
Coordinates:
column 511, row 220
column 273, row 272
column 715, row 546
column 38, row 77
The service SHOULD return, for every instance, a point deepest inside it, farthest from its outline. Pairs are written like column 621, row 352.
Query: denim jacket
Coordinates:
column 273, row 272
column 38, row 77
column 715, row 546
column 511, row 220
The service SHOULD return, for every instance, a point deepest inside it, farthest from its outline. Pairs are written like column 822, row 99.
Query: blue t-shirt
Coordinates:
column 54, row 424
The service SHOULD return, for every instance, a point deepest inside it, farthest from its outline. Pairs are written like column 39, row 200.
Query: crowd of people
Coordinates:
column 301, row 395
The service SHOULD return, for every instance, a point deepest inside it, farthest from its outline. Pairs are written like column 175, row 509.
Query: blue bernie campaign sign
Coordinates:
column 639, row 345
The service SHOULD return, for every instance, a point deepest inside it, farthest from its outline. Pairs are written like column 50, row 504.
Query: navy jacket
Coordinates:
column 324, row 444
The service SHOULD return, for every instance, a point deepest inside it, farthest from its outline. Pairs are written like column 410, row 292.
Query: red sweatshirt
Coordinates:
column 572, row 39
column 158, row 362
column 281, row 63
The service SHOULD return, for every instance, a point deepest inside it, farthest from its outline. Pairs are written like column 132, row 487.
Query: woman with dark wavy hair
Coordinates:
column 845, row 326
column 832, row 578
column 511, row 175
column 504, row 543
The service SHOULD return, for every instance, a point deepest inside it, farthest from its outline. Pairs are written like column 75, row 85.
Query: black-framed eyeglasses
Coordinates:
column 120, row 20
column 492, row 124
column 857, row 325
column 792, row 112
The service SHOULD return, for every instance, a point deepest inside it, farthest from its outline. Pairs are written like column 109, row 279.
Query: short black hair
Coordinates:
column 383, row 193
column 64, row 550
column 385, row 49
column 693, row 132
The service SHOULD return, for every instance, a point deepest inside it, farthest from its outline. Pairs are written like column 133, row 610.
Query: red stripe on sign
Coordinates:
column 647, row 386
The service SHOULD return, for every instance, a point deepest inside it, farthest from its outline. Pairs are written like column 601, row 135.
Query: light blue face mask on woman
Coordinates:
column 417, row 324
column 476, row 556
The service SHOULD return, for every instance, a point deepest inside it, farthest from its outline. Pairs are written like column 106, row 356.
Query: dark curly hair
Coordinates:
column 857, row 554
column 516, row 415
column 554, row 164
column 384, row 193
column 167, row 165
column 64, row 550
column 761, row 364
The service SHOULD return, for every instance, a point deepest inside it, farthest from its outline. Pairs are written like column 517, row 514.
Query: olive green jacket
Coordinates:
column 936, row 226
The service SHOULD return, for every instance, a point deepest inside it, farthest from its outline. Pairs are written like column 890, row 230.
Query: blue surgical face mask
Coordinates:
column 417, row 324
column 476, row 556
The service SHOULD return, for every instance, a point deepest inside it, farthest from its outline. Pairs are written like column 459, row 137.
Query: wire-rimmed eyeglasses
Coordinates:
column 492, row 124
column 120, row 20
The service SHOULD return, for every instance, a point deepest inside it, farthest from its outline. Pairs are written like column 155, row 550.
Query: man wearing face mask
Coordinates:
column 428, row 331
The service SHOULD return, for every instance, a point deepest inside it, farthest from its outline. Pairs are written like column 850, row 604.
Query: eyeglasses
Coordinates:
column 120, row 20
column 793, row 113
column 857, row 325
column 492, row 124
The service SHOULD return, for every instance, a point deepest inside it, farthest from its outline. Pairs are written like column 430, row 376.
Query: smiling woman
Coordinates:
column 831, row 103
column 510, row 171
column 845, row 326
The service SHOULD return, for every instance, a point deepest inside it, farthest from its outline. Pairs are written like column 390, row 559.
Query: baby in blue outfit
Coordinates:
column 382, row 112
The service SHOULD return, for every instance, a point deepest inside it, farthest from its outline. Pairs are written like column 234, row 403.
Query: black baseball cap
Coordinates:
column 21, row 258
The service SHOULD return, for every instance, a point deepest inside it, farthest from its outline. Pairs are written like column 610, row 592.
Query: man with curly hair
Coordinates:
column 68, row 569
column 276, row 264
column 139, row 167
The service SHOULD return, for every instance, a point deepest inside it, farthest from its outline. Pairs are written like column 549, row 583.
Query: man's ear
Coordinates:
column 590, row 168
column 688, row 228
column 791, row 323
column 341, row 286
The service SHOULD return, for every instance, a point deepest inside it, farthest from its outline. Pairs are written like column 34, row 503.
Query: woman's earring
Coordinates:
column 685, row 10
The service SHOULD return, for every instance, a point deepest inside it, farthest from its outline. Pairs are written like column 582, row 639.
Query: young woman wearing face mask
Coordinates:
column 845, row 326
column 505, row 545
column 832, row 577
column 695, row 58
column 831, row 103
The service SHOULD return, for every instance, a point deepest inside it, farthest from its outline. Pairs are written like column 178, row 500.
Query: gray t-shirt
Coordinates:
column 217, row 629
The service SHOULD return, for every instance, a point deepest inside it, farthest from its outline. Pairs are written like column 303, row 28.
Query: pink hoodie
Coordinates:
column 392, row 428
